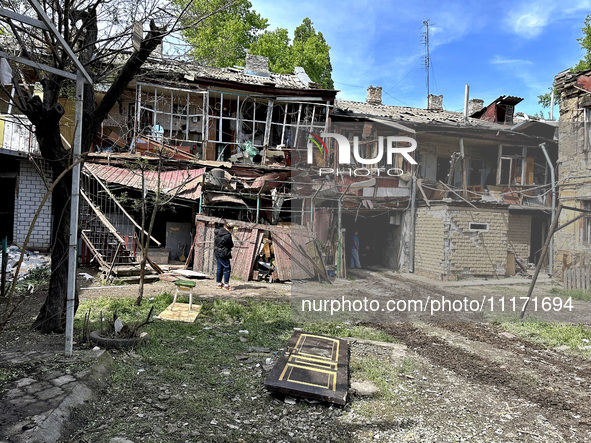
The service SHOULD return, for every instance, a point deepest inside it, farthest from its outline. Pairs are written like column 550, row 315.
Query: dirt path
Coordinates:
column 474, row 382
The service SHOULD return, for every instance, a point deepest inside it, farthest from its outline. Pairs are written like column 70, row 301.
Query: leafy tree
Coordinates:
column 308, row 50
column 585, row 43
column 221, row 41
column 276, row 46
column 311, row 51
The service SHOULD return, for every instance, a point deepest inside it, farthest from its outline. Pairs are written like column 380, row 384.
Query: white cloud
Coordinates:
column 499, row 60
column 530, row 18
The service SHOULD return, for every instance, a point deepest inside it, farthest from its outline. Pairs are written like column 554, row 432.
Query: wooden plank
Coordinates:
column 96, row 254
column 313, row 366
column 245, row 243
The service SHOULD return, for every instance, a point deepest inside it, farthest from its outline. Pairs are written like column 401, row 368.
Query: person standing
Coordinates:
column 355, row 252
column 222, row 250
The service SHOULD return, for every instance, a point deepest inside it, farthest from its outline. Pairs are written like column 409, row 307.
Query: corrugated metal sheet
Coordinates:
column 184, row 183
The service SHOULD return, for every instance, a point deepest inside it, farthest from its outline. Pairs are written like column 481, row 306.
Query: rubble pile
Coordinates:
column 31, row 261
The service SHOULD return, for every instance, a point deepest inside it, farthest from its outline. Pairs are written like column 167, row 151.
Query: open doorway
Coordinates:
column 539, row 229
column 379, row 238
column 8, row 176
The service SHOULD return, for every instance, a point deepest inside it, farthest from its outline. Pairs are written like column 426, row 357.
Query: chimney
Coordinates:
column 257, row 65
column 475, row 105
column 374, row 95
column 435, row 102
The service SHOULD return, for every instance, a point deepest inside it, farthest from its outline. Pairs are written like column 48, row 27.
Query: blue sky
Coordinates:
column 498, row 48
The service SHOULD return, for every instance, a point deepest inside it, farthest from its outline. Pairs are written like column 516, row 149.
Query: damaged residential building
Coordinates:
column 248, row 145
column 572, row 245
column 225, row 141
column 482, row 187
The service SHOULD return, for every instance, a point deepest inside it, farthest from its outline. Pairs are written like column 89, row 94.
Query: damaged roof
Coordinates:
column 432, row 121
column 183, row 183
column 407, row 115
column 194, row 73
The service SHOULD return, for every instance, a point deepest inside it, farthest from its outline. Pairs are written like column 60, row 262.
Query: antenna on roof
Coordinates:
column 427, row 60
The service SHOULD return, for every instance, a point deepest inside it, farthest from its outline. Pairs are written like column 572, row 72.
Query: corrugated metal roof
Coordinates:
column 184, row 183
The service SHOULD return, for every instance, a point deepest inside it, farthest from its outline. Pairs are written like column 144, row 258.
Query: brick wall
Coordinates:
column 574, row 169
column 478, row 253
column 519, row 236
column 30, row 190
column 430, row 237
column 446, row 247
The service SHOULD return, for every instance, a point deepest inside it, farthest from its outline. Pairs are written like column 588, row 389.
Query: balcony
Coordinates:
column 16, row 138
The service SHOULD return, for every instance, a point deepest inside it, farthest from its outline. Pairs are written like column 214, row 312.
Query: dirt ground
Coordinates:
column 468, row 381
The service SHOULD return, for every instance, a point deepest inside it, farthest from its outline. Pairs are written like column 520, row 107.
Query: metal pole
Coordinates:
column 340, row 238
column 466, row 102
column 73, row 245
column 552, row 178
column 4, row 265
column 411, row 246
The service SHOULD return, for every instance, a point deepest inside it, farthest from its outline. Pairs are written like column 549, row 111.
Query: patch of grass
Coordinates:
column 382, row 372
column 575, row 294
column 388, row 404
column 551, row 334
column 34, row 280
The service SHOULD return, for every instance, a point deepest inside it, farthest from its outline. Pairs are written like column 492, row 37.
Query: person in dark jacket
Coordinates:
column 222, row 250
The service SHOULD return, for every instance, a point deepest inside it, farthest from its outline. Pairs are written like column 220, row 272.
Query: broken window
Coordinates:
column 292, row 124
column 587, row 128
column 522, row 166
column 586, row 223
column 512, row 165
column 242, row 125
column 169, row 115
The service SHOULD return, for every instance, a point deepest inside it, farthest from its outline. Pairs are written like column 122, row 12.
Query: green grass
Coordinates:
column 575, row 294
column 197, row 362
column 552, row 334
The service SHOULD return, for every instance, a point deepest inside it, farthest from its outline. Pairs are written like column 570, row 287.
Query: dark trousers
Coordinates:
column 224, row 269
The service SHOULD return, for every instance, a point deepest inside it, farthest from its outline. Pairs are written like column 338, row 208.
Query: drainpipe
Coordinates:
column 551, row 167
column 411, row 247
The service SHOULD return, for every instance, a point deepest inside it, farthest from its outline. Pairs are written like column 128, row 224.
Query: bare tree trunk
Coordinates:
column 146, row 237
column 45, row 116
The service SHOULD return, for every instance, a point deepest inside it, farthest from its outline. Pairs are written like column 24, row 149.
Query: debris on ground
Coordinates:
column 31, row 261
column 313, row 366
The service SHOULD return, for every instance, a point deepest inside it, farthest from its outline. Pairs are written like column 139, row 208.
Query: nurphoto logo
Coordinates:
column 393, row 147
